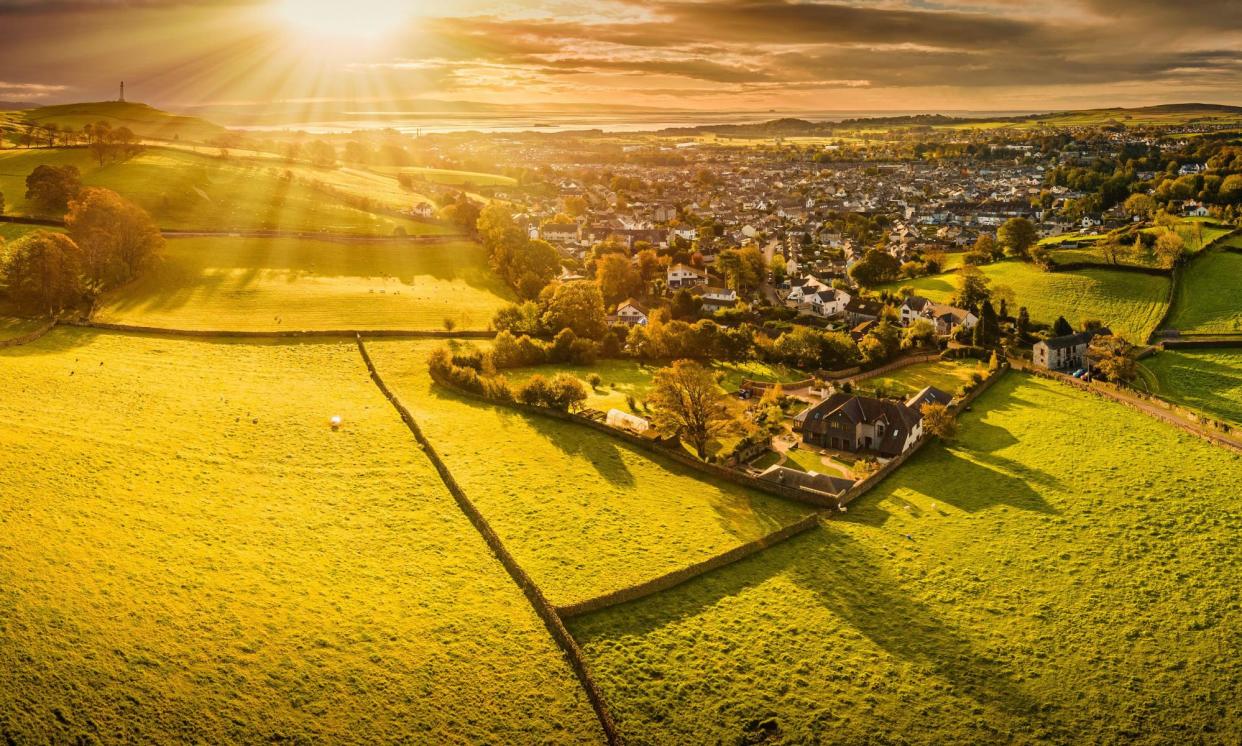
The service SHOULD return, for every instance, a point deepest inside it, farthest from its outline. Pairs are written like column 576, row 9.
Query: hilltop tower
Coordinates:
column 122, row 98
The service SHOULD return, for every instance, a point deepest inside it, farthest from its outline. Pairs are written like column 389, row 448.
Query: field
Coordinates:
column 141, row 119
column 449, row 177
column 1128, row 302
column 581, row 511
column 188, row 553
column 1066, row 572
column 946, row 375
column 191, row 191
column 1208, row 295
column 1206, row 380
column 12, row 326
column 292, row 284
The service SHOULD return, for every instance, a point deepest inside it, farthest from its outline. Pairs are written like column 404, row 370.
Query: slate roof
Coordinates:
column 806, row 480
column 857, row 410
column 929, row 395
column 1073, row 340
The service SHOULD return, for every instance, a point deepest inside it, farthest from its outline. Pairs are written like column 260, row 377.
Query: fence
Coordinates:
column 545, row 610
column 677, row 577
column 30, row 337
column 904, row 362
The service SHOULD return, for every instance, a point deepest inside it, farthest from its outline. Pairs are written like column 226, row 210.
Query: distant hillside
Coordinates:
column 17, row 105
column 1162, row 115
column 143, row 120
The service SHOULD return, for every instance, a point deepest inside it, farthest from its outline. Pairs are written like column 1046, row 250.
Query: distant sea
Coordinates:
column 431, row 122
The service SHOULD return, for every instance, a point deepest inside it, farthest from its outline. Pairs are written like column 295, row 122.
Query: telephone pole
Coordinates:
column 122, row 99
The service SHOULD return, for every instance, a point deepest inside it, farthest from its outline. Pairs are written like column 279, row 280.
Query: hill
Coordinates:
column 143, row 120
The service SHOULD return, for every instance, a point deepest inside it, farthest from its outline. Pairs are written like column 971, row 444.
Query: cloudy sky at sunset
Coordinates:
column 720, row 55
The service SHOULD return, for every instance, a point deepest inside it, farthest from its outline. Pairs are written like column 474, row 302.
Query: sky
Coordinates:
column 722, row 55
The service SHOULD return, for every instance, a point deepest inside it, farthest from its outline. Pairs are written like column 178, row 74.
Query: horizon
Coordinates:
column 743, row 56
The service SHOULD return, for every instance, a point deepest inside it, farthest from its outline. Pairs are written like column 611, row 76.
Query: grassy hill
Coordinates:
column 188, row 190
column 144, row 121
column 295, row 284
column 1209, row 295
column 1207, row 380
column 1130, row 303
column 191, row 554
column 1066, row 572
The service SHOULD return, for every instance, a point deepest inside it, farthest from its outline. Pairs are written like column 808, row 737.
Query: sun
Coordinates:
column 342, row 19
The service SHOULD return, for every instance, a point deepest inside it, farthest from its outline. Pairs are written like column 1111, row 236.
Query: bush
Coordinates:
column 536, row 391
column 595, row 380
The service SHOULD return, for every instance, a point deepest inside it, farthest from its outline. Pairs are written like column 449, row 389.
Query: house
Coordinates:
column 858, row 310
column 856, row 423
column 559, row 233
column 830, row 302
column 1193, row 209
column 929, row 395
column 631, row 312
column 423, row 210
column 715, row 299
column 1065, row 352
column 685, row 276
column 801, row 290
column 944, row 316
column 807, row 481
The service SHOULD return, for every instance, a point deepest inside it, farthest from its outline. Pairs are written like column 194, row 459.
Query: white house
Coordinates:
column 715, row 299
column 1194, row 209
column 945, row 317
column 631, row 312
column 830, row 302
column 685, row 276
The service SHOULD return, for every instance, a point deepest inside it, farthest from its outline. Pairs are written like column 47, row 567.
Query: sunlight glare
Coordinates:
column 342, row 19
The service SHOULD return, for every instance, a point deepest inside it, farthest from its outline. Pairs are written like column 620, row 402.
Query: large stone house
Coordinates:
column 1066, row 352
column 944, row 316
column 848, row 422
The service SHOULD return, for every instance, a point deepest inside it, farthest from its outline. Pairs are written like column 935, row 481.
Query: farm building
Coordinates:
column 1065, row 352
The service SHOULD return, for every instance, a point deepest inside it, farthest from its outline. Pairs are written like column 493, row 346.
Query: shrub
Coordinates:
column 566, row 393
column 536, row 391
column 595, row 380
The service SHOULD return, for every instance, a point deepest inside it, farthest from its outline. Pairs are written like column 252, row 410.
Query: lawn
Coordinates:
column 449, row 177
column 946, row 375
column 189, row 553
column 1129, row 302
column 1209, row 295
column 291, row 284
column 582, row 512
column 1067, row 572
column 1206, row 380
column 12, row 326
column 192, row 191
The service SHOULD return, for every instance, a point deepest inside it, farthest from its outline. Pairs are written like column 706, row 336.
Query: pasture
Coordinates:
column 192, row 191
column 1205, row 380
column 189, row 553
column 295, row 284
column 448, row 177
column 1066, row 572
column 1128, row 302
column 583, row 512
column 141, row 119
column 1209, row 292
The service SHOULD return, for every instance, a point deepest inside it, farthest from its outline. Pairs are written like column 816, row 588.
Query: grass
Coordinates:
column 188, row 553
column 292, row 284
column 12, row 326
column 1128, row 302
column 1067, row 572
column 1207, row 380
column 1208, row 294
column 581, row 511
column 141, row 119
column 192, row 191
column 946, row 375
column 449, row 177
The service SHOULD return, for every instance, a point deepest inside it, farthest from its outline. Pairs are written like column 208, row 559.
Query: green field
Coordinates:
column 189, row 553
column 1067, row 572
column 141, row 119
column 12, row 326
column 581, row 511
column 1128, row 302
column 946, row 375
column 192, row 191
column 292, row 284
column 449, row 177
column 1209, row 295
column 1206, row 380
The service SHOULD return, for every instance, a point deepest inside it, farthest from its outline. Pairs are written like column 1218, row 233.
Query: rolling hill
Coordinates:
column 144, row 121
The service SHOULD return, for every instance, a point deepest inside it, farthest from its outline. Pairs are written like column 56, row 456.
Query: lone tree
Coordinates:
column 42, row 272
column 686, row 402
column 117, row 237
column 1114, row 357
column 875, row 268
column 1017, row 236
column 939, row 421
column 51, row 187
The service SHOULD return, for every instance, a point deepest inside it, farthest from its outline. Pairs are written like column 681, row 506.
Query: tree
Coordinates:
column 463, row 213
column 1061, row 327
column 779, row 269
column 1, row 203
column 939, row 421
column 686, row 402
column 1017, row 236
column 972, row 288
column 1023, row 324
column 985, row 244
column 987, row 328
column 51, row 187
column 1170, row 248
column 118, row 238
column 1113, row 356
column 1139, row 206
column 578, row 306
column 685, row 305
column 618, row 279
column 920, row 333
column 875, row 268
column 42, row 272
